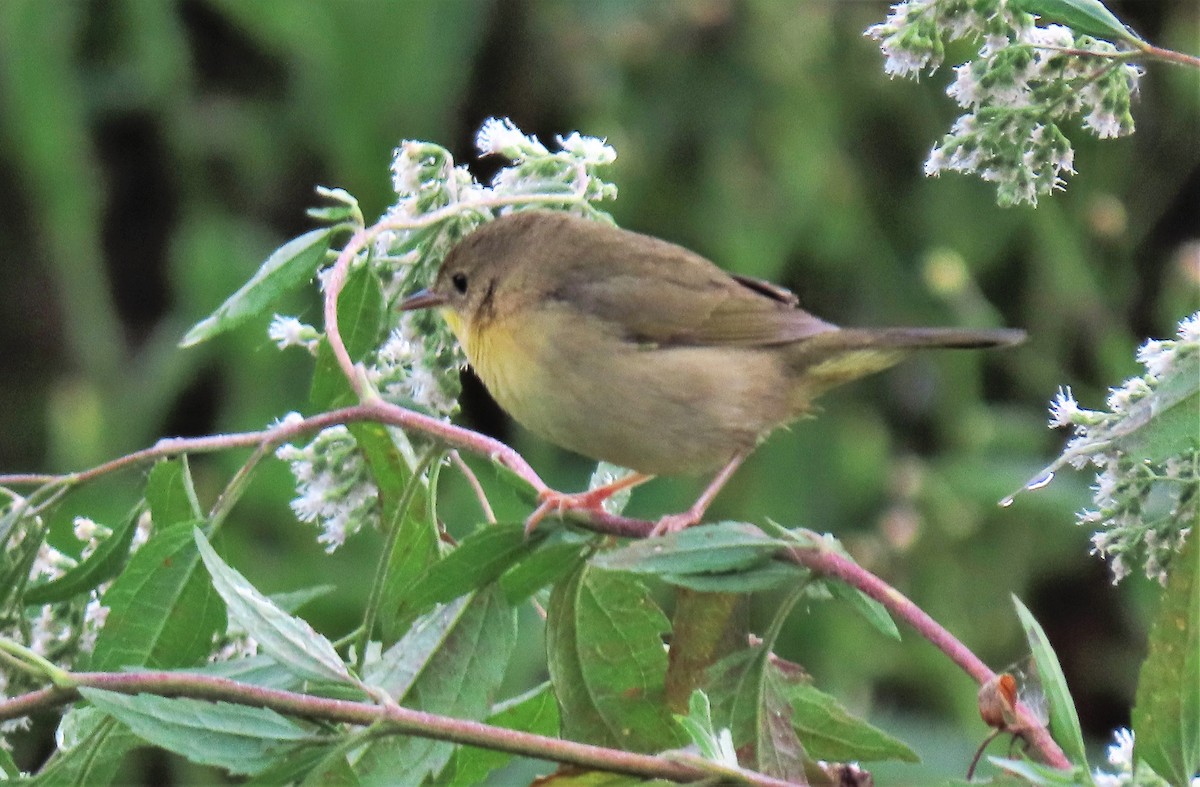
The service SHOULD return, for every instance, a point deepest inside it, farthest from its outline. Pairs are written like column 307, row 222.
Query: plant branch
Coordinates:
column 396, row 719
column 831, row 564
column 823, row 562
column 1169, row 55
column 374, row 410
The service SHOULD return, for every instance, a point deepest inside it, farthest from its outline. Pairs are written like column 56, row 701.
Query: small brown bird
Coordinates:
column 632, row 350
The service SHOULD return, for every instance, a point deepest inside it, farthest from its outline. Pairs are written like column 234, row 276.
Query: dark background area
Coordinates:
column 154, row 153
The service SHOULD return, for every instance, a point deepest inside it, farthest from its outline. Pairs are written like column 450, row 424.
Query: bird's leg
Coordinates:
column 590, row 500
column 673, row 523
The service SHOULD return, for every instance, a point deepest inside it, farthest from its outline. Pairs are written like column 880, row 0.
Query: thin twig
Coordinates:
column 477, row 487
column 399, row 720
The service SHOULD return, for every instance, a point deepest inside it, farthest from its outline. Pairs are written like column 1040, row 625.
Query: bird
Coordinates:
column 632, row 350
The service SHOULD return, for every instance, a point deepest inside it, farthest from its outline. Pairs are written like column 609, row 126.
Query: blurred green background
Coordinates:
column 155, row 152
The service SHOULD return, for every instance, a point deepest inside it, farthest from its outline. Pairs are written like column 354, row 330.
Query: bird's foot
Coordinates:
column 550, row 501
column 673, row 523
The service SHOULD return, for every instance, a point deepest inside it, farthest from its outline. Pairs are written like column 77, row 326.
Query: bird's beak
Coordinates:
column 422, row 299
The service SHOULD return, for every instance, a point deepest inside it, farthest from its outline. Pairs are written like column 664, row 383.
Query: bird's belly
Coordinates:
column 659, row 411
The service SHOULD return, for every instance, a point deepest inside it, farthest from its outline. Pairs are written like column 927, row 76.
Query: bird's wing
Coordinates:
column 669, row 296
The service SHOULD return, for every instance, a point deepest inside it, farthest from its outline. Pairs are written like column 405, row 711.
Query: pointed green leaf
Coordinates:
column 311, row 762
column 1166, row 715
column 162, row 610
column 871, row 610
column 170, row 493
column 830, row 733
column 544, row 567
column 1064, row 721
column 289, row 640
column 607, row 662
column 416, row 539
column 92, row 747
column 292, row 264
column 715, row 548
column 1043, row 775
column 293, row 600
column 451, row 665
column 778, row 750
column 535, row 711
column 1089, row 17
column 479, row 558
column 239, row 738
column 258, row 670
column 103, row 564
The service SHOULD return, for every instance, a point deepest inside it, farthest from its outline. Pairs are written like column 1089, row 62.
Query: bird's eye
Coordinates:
column 459, row 280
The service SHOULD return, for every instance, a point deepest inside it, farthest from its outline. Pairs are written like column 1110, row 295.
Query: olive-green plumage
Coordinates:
column 630, row 349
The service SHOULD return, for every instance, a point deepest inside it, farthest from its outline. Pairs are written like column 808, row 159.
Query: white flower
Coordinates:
column 1189, row 329
column 87, row 530
column 289, row 332
column 965, row 89
column 1064, row 409
column 94, row 617
column 50, row 563
column 1103, row 122
column 1058, row 36
column 591, row 150
column 501, row 135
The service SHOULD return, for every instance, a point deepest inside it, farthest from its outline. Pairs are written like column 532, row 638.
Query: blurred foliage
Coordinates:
column 155, row 153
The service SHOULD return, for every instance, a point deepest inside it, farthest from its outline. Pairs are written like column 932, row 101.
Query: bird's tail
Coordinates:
column 829, row 359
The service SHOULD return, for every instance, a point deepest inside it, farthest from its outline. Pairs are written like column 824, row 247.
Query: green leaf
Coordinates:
column 239, row 738
column 292, row 264
column 756, row 712
column 293, row 600
column 416, row 539
column 289, row 640
column 479, row 558
column 1166, row 714
column 9, row 771
column 360, row 322
column 258, row 670
column 875, row 613
column 170, row 493
column 544, row 567
column 93, row 745
column 300, row 766
column 715, row 548
column 1083, row 16
column 1064, row 721
column 534, row 711
column 768, row 576
column 1155, row 428
column 103, row 564
column 451, row 663
column 1163, row 423
column 830, row 733
column 607, row 662
column 1043, row 775
column 163, row 611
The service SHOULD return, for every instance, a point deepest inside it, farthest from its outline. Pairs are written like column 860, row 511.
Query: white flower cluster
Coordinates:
column 290, row 332
column 335, row 487
column 1145, row 508
column 1024, row 82
column 63, row 631
column 402, row 373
